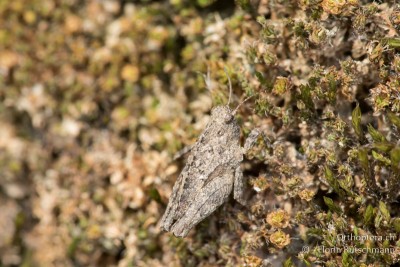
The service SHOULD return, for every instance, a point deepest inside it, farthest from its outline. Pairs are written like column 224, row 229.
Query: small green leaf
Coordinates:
column 394, row 119
column 384, row 211
column 73, row 246
column 393, row 42
column 395, row 158
column 333, row 84
column 261, row 20
column 368, row 215
column 245, row 5
column 347, row 260
column 381, row 158
column 378, row 220
column 355, row 231
column 305, row 96
column 375, row 134
column 315, row 232
column 154, row 195
column 332, row 181
column 288, row 263
column 331, row 205
column 384, row 146
column 356, row 121
column 396, row 224
column 260, row 78
column 363, row 158
column 205, row 3
column 347, row 183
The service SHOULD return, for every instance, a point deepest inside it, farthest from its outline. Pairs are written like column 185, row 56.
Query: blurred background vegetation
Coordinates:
column 97, row 96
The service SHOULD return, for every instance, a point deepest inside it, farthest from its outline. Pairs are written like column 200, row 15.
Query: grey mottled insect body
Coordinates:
column 211, row 173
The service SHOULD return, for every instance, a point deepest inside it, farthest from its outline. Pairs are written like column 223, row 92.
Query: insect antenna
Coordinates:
column 230, row 85
column 241, row 103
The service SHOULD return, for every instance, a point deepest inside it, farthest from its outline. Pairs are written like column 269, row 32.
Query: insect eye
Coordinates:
column 220, row 132
column 228, row 118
